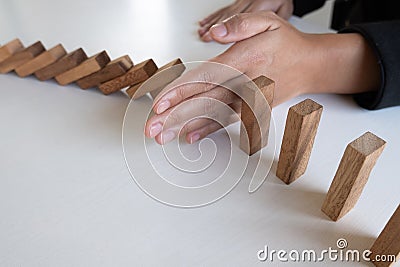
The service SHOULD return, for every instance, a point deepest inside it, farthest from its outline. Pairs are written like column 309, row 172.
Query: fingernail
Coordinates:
column 194, row 138
column 167, row 136
column 163, row 106
column 155, row 129
column 219, row 30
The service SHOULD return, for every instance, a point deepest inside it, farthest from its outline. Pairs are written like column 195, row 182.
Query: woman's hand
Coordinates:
column 284, row 9
column 265, row 45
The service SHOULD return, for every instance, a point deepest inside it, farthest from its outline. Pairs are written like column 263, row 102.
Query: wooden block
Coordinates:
column 301, row 127
column 135, row 75
column 257, row 130
column 159, row 80
column 10, row 49
column 66, row 63
column 388, row 242
column 114, row 69
column 352, row 174
column 89, row 66
column 41, row 61
column 21, row 57
column 170, row 75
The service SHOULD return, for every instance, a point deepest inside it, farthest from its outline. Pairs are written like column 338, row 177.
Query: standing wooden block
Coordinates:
column 114, row 69
column 135, row 75
column 89, row 66
column 301, row 127
column 388, row 242
column 41, row 61
column 21, row 57
column 10, row 49
column 164, row 75
column 67, row 62
column 257, row 130
column 352, row 174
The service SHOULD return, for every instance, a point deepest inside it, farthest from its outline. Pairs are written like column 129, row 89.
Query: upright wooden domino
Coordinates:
column 388, row 242
column 257, row 130
column 114, row 69
column 10, row 49
column 66, row 63
column 301, row 127
column 164, row 75
column 46, row 58
column 87, row 67
column 21, row 57
column 135, row 75
column 352, row 174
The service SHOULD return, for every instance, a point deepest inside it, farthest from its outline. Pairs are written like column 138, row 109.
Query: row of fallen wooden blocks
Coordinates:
column 302, row 120
column 301, row 127
column 96, row 71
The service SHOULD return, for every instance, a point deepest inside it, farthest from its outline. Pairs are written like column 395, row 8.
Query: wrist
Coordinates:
column 344, row 64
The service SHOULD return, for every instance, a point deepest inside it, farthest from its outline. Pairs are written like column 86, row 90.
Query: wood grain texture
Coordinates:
column 298, row 139
column 66, row 63
column 135, row 75
column 388, row 241
column 41, row 61
column 21, row 57
column 10, row 49
column 352, row 174
column 114, row 69
column 257, row 130
column 164, row 75
column 89, row 66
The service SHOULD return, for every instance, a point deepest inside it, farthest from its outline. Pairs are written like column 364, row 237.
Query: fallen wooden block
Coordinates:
column 10, row 49
column 388, row 242
column 352, row 174
column 89, row 66
column 298, row 139
column 21, row 57
column 114, row 69
column 41, row 61
column 135, row 75
column 66, row 63
column 257, row 129
column 164, row 75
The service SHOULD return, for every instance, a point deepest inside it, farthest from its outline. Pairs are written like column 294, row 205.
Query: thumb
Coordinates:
column 244, row 25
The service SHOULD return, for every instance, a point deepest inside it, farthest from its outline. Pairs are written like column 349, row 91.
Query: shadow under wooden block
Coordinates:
column 135, row 75
column 352, row 174
column 298, row 139
column 164, row 75
column 256, row 114
column 66, row 63
column 388, row 242
column 41, row 61
column 10, row 49
column 114, row 68
column 87, row 67
column 21, row 57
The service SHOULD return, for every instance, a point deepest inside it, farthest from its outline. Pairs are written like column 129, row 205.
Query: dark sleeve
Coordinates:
column 302, row 7
column 384, row 38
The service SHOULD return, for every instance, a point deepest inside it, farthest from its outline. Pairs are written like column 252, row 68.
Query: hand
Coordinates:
column 266, row 45
column 284, row 9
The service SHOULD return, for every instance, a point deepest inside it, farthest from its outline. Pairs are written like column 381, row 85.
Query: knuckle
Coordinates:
column 172, row 119
column 180, row 93
column 208, row 106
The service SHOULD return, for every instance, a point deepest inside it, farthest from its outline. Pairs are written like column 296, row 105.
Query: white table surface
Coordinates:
column 66, row 195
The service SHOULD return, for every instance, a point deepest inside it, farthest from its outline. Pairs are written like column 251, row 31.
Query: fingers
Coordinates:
column 245, row 25
column 285, row 11
column 212, row 126
column 199, row 80
column 205, row 105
